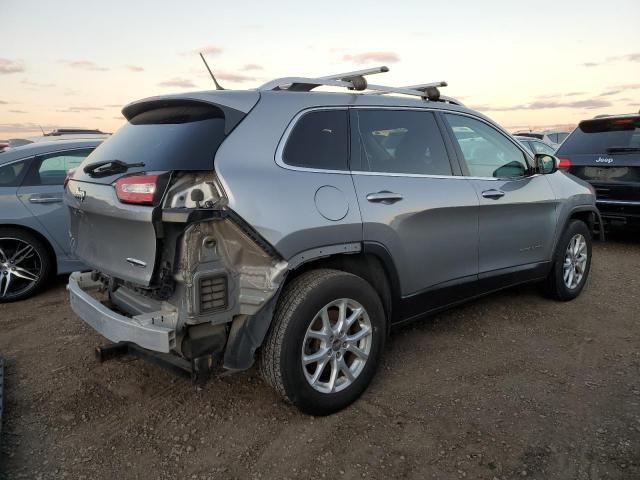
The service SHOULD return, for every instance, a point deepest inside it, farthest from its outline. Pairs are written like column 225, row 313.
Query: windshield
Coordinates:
column 604, row 135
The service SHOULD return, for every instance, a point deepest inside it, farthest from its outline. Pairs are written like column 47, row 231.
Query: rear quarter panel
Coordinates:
column 280, row 203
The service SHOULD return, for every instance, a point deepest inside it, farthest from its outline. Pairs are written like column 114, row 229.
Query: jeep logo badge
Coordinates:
column 604, row 160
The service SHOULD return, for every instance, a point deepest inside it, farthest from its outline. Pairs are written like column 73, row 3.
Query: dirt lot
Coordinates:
column 511, row 386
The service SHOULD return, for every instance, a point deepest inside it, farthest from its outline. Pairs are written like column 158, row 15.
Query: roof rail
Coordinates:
column 356, row 81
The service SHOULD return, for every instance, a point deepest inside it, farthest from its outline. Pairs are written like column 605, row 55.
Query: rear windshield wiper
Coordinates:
column 622, row 149
column 109, row 167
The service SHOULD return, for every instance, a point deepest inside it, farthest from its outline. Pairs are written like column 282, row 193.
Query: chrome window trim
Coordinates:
column 287, row 133
column 509, row 137
column 618, row 202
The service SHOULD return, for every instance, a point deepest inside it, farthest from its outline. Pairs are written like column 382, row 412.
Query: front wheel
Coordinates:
column 572, row 262
column 326, row 341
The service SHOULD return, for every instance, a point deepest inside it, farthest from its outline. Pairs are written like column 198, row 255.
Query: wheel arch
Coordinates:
column 42, row 238
column 373, row 263
column 590, row 215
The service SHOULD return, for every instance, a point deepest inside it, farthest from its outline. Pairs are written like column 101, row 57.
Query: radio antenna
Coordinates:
column 218, row 86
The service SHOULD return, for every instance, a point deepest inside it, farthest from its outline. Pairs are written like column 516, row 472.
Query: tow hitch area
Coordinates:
column 199, row 369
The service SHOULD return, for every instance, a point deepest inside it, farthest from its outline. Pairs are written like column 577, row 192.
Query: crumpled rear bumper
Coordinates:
column 150, row 331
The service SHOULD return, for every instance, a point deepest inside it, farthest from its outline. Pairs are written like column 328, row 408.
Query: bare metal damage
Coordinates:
column 209, row 246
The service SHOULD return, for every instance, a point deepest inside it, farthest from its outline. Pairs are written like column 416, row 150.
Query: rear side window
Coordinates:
column 11, row 174
column 401, row 141
column 603, row 135
column 319, row 140
column 51, row 169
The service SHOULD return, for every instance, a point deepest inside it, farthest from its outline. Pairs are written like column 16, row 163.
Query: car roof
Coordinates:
column 39, row 148
column 245, row 100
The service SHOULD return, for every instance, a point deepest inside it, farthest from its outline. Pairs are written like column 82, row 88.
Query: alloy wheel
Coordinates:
column 575, row 261
column 20, row 267
column 336, row 346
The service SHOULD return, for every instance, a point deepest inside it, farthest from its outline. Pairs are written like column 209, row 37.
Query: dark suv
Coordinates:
column 605, row 151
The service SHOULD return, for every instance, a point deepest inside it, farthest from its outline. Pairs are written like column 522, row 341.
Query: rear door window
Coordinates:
column 604, row 135
column 51, row 169
column 319, row 140
column 401, row 141
column 10, row 175
column 487, row 152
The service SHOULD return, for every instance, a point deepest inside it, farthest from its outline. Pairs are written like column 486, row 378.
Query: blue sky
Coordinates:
column 72, row 63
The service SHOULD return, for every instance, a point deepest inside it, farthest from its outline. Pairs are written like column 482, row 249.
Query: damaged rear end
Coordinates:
column 175, row 271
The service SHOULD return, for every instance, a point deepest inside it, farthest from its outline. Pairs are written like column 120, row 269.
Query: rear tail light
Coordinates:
column 3, row 145
column 68, row 176
column 564, row 163
column 138, row 189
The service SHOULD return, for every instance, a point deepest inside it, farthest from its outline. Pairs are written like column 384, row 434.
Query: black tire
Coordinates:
column 47, row 264
column 301, row 301
column 555, row 285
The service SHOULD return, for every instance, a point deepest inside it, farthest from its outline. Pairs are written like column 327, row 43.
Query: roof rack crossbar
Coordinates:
column 355, row 81
column 357, row 73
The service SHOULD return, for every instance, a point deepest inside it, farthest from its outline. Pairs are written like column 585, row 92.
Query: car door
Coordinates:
column 42, row 188
column 413, row 200
column 517, row 217
column 11, row 175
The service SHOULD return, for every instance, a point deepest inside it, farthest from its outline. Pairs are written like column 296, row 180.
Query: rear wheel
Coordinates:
column 25, row 264
column 326, row 341
column 572, row 262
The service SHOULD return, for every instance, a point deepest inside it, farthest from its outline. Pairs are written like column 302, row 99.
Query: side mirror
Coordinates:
column 546, row 164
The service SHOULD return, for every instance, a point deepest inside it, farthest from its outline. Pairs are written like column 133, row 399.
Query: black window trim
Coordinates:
column 460, row 157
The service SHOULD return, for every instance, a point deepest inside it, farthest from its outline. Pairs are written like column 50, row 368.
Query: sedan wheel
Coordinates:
column 24, row 264
column 20, row 267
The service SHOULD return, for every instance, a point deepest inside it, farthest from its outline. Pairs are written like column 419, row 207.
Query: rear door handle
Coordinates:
column 45, row 199
column 493, row 194
column 385, row 197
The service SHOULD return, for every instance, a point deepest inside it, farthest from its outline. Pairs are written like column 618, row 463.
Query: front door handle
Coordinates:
column 493, row 194
column 36, row 199
column 385, row 197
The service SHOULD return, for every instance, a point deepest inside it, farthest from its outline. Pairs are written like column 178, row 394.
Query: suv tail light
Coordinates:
column 68, row 176
column 564, row 163
column 138, row 189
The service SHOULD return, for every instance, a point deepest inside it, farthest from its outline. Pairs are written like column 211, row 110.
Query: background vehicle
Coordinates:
column 59, row 134
column 552, row 138
column 303, row 224
column 535, row 146
column 34, row 224
column 605, row 151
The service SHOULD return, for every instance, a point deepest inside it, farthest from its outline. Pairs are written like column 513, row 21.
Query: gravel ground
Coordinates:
column 511, row 386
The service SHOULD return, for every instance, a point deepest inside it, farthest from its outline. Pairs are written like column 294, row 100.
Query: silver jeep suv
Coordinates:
column 297, row 227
